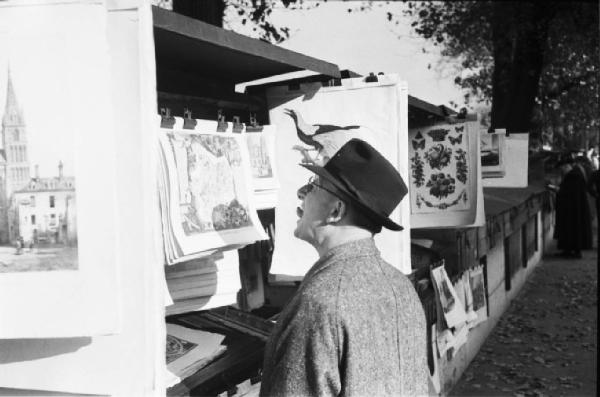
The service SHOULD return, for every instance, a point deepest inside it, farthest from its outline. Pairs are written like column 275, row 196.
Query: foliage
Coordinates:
column 566, row 32
column 257, row 13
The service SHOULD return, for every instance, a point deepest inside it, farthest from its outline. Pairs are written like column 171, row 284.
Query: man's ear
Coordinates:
column 337, row 212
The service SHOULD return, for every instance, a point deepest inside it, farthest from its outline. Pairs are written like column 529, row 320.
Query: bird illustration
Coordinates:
column 324, row 138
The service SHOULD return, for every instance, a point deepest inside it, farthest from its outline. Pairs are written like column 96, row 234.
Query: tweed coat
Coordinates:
column 355, row 327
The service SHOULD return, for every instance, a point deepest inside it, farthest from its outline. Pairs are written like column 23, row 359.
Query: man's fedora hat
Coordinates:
column 366, row 179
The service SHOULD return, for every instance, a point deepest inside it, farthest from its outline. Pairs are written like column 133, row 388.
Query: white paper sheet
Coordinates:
column 67, row 117
column 477, row 287
column 480, row 211
column 209, row 199
column 517, row 163
column 493, row 153
column 434, row 377
column 189, row 350
column 261, row 150
column 443, row 184
column 379, row 109
column 454, row 314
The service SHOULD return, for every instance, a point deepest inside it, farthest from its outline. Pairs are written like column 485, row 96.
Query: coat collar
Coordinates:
column 352, row 249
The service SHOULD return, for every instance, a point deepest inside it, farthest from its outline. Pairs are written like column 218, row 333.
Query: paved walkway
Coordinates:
column 546, row 342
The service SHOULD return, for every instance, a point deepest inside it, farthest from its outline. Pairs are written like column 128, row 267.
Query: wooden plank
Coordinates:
column 237, row 45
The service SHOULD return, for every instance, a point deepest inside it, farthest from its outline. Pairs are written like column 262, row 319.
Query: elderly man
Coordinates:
column 356, row 326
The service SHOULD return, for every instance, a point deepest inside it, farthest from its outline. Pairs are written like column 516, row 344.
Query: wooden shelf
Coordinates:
column 187, row 44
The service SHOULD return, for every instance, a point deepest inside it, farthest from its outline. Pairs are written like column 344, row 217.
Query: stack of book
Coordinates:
column 203, row 283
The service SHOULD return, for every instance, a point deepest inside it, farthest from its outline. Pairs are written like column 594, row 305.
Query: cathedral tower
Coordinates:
column 14, row 159
column 14, row 142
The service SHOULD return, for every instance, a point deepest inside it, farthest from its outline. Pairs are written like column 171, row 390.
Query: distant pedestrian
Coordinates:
column 573, row 218
column 594, row 189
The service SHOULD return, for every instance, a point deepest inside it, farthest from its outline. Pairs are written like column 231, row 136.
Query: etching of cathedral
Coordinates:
column 38, row 216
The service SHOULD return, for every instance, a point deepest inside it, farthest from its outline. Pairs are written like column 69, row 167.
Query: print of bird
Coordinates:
column 319, row 137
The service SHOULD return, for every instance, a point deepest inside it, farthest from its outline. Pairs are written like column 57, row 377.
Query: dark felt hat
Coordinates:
column 365, row 178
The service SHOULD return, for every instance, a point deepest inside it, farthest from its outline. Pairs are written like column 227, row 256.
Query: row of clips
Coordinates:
column 189, row 123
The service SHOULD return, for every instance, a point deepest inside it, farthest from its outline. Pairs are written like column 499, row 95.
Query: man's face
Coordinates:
column 317, row 203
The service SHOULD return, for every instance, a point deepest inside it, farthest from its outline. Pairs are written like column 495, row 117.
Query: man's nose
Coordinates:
column 303, row 191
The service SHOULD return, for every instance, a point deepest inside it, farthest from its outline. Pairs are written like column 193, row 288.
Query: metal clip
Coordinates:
column 166, row 120
column 237, row 125
column 253, row 125
column 188, row 122
column 371, row 78
column 221, row 123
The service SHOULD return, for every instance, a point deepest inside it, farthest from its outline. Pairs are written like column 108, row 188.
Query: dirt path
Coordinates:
column 546, row 342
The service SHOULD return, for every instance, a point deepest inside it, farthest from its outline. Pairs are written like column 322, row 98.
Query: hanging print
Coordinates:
column 205, row 190
column 440, row 175
column 443, row 175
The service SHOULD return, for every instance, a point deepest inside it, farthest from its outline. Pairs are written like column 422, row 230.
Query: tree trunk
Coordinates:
column 519, row 34
column 502, row 53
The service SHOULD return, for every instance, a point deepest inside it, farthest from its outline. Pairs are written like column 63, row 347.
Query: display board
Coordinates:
column 493, row 153
column 444, row 179
column 375, row 112
column 58, row 261
column 516, row 163
column 132, row 361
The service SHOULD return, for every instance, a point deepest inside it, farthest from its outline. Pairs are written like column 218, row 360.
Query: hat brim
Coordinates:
column 380, row 218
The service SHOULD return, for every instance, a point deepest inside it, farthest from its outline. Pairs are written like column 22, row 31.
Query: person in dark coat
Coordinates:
column 573, row 218
column 356, row 326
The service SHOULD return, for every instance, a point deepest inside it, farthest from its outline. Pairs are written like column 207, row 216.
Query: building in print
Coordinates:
column 45, row 210
column 31, row 209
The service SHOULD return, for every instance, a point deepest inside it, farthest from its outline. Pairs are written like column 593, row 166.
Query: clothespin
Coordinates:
column 221, row 123
column 253, row 125
column 237, row 125
column 334, row 82
column 188, row 122
column 371, row 78
column 166, row 120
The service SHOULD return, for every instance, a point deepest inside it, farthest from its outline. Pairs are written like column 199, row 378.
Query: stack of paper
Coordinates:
column 205, row 191
column 189, row 350
column 261, row 149
column 203, row 283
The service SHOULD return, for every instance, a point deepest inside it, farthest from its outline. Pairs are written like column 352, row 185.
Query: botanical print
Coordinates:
column 461, row 165
column 440, row 176
column 442, row 206
column 438, row 156
column 416, row 166
column 441, row 185
column 209, row 169
column 177, row 347
column 438, row 134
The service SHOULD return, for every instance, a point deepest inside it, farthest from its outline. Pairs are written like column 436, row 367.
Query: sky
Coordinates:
column 36, row 54
column 360, row 41
column 366, row 42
